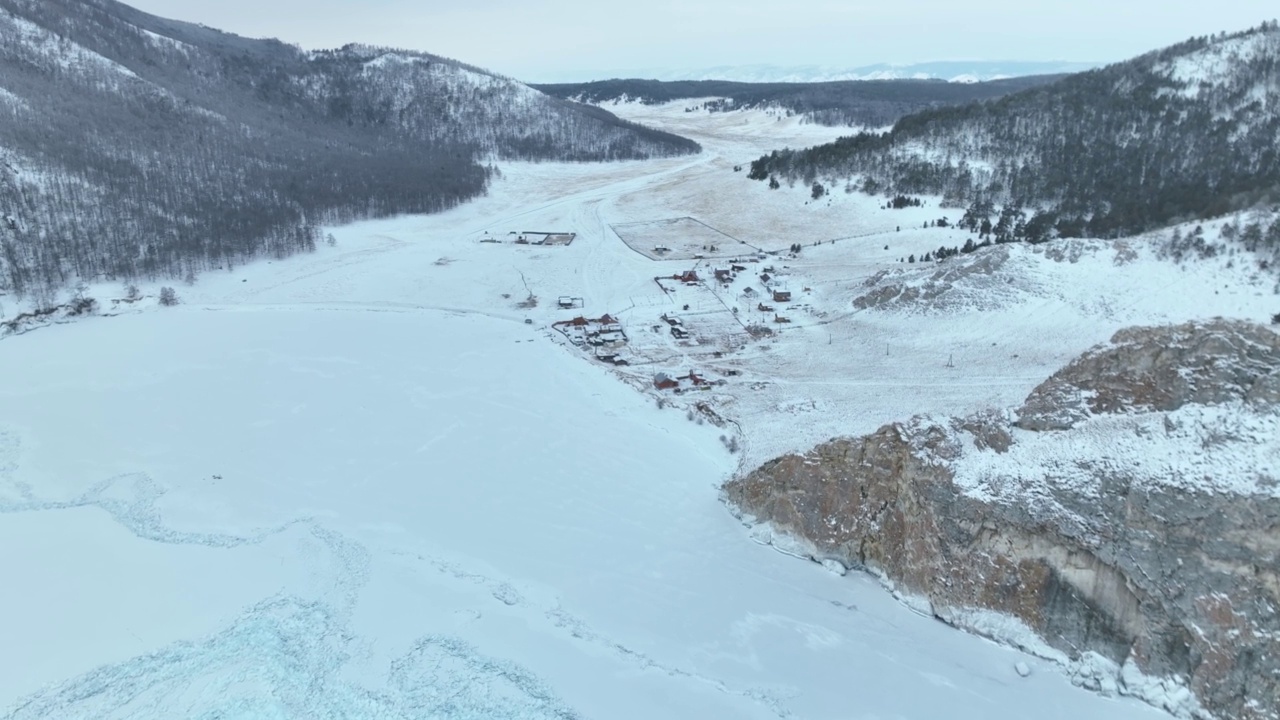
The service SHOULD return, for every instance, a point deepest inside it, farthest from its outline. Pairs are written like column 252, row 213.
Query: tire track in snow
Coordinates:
column 341, row 306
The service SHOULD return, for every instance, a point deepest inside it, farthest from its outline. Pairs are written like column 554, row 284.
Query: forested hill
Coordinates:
column 134, row 146
column 1185, row 132
column 870, row 103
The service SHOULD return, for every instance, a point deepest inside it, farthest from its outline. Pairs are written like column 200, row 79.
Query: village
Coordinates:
column 712, row 306
column 737, row 322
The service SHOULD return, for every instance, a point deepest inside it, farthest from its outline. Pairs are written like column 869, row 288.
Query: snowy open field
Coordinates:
column 682, row 238
column 359, row 484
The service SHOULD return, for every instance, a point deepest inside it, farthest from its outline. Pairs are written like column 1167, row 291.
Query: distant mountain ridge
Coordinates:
column 964, row 71
column 1180, row 133
column 866, row 103
column 135, row 146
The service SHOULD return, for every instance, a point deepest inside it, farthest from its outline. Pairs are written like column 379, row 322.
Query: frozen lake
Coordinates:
column 364, row 512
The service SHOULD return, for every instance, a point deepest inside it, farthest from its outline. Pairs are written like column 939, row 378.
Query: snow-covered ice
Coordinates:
column 425, row 514
column 357, row 484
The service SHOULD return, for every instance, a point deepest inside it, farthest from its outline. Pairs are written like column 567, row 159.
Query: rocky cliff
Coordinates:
column 1128, row 515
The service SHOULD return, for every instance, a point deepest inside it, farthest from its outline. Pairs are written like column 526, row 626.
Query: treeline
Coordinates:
column 869, row 103
column 136, row 147
column 1259, row 235
column 1256, row 233
column 1120, row 150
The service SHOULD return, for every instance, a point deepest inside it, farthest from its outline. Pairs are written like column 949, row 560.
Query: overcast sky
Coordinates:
column 563, row 40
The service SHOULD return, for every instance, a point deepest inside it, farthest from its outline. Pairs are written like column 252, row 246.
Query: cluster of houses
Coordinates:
column 688, row 277
column 769, row 279
column 692, row 381
column 678, row 330
column 603, row 336
column 724, row 276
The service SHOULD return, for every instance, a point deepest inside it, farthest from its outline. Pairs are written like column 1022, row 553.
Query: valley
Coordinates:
column 378, row 471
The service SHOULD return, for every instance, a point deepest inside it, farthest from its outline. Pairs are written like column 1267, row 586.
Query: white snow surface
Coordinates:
column 1229, row 449
column 64, row 53
column 12, row 100
column 1219, row 62
column 391, row 58
column 357, row 484
column 164, row 41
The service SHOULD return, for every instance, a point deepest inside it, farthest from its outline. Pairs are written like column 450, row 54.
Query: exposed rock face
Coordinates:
column 1161, row 369
column 1132, row 512
column 985, row 279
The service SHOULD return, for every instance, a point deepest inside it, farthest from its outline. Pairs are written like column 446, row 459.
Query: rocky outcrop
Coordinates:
column 1161, row 369
column 1129, row 515
column 985, row 280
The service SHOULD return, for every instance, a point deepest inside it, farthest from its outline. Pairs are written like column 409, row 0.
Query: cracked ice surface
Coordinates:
column 324, row 513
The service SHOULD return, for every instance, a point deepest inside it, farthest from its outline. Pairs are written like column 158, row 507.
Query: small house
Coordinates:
column 611, row 356
column 679, row 333
column 663, row 381
column 612, row 339
column 723, row 276
column 782, row 296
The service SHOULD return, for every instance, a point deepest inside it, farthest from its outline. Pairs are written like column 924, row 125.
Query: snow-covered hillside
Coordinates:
column 1218, row 64
column 376, row 481
column 1187, row 131
column 167, row 149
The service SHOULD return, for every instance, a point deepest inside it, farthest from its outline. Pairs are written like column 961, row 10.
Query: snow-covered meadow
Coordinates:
column 359, row 484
